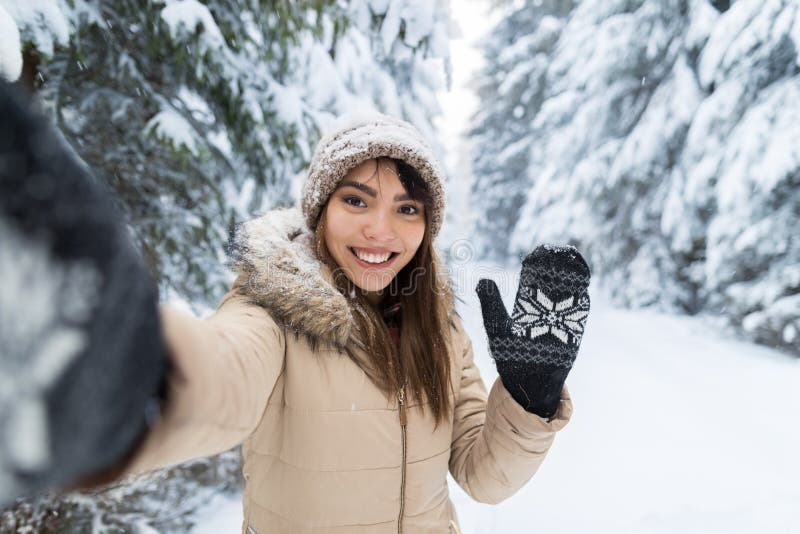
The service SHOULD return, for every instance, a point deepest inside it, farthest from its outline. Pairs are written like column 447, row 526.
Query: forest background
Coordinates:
column 660, row 137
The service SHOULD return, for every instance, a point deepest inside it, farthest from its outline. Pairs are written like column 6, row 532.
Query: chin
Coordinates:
column 373, row 285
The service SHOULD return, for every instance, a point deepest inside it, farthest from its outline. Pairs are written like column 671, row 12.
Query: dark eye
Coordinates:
column 408, row 209
column 354, row 201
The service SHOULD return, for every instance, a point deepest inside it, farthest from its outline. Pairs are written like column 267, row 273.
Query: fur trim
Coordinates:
column 279, row 271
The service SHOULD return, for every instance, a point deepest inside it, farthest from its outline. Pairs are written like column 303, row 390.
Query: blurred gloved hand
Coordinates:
column 535, row 348
column 82, row 359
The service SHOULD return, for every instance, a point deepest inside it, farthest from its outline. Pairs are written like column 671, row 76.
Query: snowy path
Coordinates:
column 676, row 429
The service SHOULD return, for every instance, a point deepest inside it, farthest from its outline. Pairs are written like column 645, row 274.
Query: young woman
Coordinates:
column 338, row 361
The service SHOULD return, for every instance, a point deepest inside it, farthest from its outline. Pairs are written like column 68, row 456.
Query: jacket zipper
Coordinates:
column 401, row 401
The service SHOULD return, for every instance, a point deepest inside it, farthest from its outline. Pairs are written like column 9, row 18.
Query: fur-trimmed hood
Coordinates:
column 273, row 256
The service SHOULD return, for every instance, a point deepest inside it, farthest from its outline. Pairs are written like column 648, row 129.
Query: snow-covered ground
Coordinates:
column 676, row 429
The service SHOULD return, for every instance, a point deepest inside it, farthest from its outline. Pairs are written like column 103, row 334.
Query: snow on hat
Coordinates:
column 357, row 138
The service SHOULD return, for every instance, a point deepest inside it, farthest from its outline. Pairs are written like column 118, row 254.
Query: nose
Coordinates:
column 379, row 227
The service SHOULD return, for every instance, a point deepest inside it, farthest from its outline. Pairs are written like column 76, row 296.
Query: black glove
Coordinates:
column 82, row 359
column 534, row 349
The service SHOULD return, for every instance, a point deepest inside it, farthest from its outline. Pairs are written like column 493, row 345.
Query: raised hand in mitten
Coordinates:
column 82, row 359
column 535, row 348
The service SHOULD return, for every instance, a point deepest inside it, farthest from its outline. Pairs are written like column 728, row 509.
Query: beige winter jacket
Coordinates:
column 325, row 450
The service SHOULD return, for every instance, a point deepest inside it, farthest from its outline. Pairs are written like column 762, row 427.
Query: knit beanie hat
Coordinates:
column 357, row 138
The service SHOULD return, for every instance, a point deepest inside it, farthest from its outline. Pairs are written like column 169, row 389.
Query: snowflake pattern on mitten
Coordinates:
column 536, row 314
column 552, row 299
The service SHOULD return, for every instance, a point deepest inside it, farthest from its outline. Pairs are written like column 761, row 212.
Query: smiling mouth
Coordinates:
column 373, row 260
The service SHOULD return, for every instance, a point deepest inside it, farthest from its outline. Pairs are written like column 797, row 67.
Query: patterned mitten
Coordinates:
column 535, row 348
column 82, row 359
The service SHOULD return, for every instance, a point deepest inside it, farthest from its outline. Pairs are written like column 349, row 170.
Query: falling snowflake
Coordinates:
column 537, row 315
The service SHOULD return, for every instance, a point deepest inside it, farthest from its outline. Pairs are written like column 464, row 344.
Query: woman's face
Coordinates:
column 372, row 226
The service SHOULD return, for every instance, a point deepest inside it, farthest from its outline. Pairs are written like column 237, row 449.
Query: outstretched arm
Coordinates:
column 82, row 359
column 223, row 370
column 86, row 353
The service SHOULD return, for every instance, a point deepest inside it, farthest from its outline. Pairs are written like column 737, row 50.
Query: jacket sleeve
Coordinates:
column 496, row 445
column 223, row 371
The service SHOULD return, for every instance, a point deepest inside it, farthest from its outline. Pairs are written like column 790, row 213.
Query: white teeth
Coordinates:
column 372, row 258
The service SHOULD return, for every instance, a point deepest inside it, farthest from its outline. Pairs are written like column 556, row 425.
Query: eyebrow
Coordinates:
column 372, row 193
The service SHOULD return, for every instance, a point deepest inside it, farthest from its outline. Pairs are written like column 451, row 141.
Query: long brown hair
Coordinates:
column 424, row 291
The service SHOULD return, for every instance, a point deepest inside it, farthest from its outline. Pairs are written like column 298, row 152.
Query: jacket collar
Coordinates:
column 278, row 270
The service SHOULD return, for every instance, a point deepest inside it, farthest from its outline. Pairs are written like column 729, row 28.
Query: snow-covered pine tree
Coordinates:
column 510, row 86
column 663, row 148
column 198, row 115
column 740, row 170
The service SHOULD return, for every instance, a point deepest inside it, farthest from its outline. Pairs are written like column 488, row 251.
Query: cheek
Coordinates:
column 336, row 229
column 414, row 237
